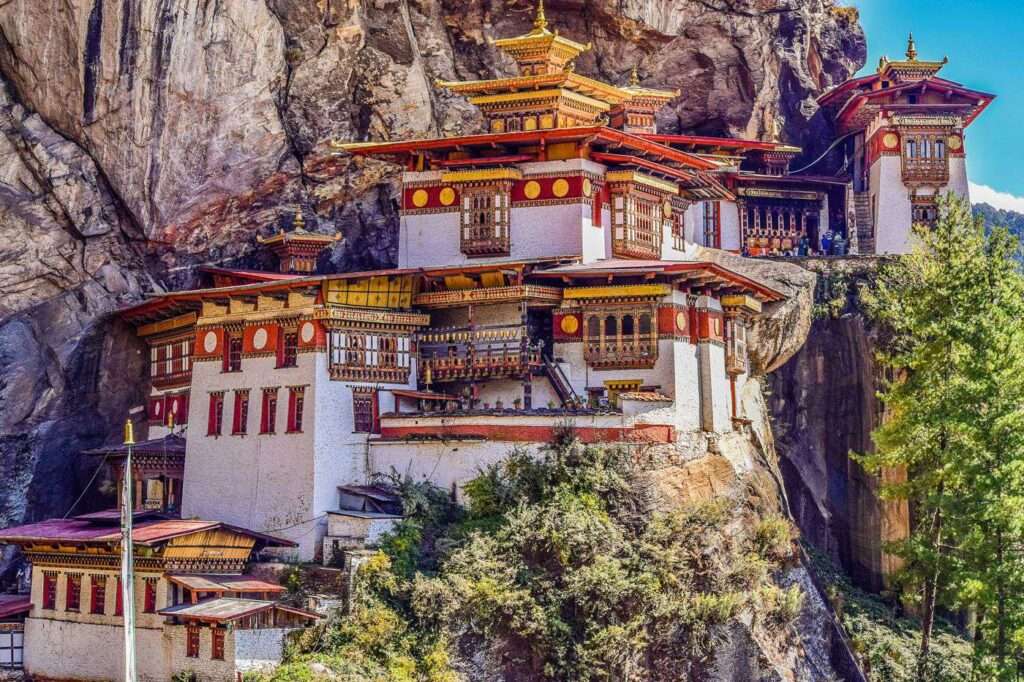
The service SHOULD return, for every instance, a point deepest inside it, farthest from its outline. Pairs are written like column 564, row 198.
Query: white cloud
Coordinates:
column 983, row 194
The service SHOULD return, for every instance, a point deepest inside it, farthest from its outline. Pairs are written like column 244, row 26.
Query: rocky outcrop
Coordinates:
column 824, row 406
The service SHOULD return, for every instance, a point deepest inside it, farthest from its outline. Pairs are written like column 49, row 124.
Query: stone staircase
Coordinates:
column 864, row 223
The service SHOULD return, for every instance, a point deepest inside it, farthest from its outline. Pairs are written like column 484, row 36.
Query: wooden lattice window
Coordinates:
column 97, row 594
column 74, row 592
column 268, row 417
column 924, row 210
column 192, row 641
column 217, row 648
column 925, row 158
column 288, row 348
column 362, row 356
column 49, row 590
column 233, row 354
column 364, row 408
column 296, row 406
column 215, row 419
column 240, row 424
column 713, row 224
column 170, row 361
column 637, row 223
column 736, row 346
column 621, row 336
column 485, row 219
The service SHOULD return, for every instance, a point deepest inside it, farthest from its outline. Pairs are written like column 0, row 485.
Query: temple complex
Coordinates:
column 563, row 267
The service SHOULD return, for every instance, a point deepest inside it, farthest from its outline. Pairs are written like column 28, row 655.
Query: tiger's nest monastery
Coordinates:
column 560, row 267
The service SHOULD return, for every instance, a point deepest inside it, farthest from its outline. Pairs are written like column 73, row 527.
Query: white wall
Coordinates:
column 581, row 376
column 261, row 482
column 730, row 221
column 63, row 650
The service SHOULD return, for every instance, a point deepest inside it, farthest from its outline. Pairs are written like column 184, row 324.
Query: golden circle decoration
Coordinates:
column 955, row 143
column 420, row 198
column 588, row 187
column 666, row 209
column 890, row 140
column 532, row 189
column 681, row 321
column 570, row 324
column 560, row 188
column 447, row 196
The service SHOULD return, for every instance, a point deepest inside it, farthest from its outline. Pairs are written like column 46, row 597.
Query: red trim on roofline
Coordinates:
column 701, row 140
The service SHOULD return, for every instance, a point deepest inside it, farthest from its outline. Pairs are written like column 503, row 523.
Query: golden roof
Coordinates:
column 299, row 233
column 912, row 66
column 540, row 44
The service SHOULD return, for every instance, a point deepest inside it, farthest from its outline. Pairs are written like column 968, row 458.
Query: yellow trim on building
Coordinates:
column 167, row 325
column 642, row 179
column 482, row 174
column 626, row 291
column 741, row 301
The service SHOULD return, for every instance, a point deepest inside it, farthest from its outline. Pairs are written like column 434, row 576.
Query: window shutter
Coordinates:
column 375, row 411
column 211, row 422
column 291, row 409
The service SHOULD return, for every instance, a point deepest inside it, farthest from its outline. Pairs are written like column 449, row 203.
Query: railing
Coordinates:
column 625, row 353
column 637, row 244
column 926, row 170
column 172, row 379
column 465, row 353
column 560, row 383
column 485, row 246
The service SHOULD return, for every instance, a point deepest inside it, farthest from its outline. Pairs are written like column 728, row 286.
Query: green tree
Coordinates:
column 954, row 313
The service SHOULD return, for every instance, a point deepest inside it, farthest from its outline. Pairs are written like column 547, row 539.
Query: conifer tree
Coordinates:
column 954, row 310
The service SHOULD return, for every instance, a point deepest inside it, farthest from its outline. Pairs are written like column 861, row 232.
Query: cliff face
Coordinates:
column 824, row 406
column 143, row 137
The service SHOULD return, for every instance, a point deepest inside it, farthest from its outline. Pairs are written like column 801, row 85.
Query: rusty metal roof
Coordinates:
column 225, row 583
column 97, row 529
column 14, row 605
column 172, row 445
column 226, row 609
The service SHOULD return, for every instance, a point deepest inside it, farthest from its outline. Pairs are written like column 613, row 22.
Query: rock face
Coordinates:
column 143, row 137
column 824, row 406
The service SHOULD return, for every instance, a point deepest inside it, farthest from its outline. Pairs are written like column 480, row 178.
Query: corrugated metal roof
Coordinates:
column 227, row 609
column 225, row 583
column 98, row 529
column 172, row 444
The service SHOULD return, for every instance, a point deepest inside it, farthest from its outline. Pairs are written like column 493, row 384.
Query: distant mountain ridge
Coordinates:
column 993, row 216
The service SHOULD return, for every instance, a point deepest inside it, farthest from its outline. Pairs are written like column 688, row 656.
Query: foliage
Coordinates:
column 955, row 401
column 998, row 217
column 831, row 296
column 884, row 639
column 558, row 569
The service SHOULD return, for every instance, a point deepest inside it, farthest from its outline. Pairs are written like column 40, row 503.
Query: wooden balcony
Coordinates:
column 613, row 354
column 636, row 248
column 474, row 354
column 930, row 170
column 385, row 375
column 491, row 246
column 172, row 379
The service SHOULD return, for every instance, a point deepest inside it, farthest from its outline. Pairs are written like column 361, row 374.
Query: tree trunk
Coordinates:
column 931, row 588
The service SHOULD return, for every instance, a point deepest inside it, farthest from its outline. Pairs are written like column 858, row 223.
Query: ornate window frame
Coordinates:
column 621, row 336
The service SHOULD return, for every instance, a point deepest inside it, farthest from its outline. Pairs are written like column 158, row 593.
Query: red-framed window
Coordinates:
column 365, row 415
column 170, row 358
column 215, row 422
column 240, row 421
column 713, row 224
column 233, row 353
column 74, row 594
column 97, row 594
column 49, row 590
column 296, row 405
column 288, row 348
column 217, row 635
column 149, row 603
column 119, row 600
column 192, row 641
column 268, row 413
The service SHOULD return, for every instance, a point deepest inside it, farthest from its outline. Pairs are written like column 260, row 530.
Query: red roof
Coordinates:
column 251, row 275
column 225, row 583
column 227, row 609
column 92, row 529
column 14, row 605
column 723, row 142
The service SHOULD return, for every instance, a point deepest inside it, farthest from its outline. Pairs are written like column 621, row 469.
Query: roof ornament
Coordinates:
column 634, row 78
column 300, row 221
column 540, row 21
column 911, row 49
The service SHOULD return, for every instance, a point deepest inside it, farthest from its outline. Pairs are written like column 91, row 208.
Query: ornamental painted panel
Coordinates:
column 209, row 343
column 177, row 406
column 260, row 339
column 567, row 326
column 370, row 292
column 157, row 410
column 312, row 335
column 551, row 189
column 440, row 197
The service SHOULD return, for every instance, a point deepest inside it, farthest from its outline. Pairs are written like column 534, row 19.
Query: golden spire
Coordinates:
column 300, row 222
column 129, row 432
column 634, row 78
column 911, row 49
column 540, row 22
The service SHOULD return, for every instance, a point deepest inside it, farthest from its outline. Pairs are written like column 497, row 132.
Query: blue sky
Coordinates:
column 984, row 40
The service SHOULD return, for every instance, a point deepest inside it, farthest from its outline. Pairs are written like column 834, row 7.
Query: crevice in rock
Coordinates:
column 92, row 60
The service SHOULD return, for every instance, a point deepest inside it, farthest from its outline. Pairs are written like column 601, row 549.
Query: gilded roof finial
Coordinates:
column 300, row 221
column 540, row 22
column 634, row 78
column 911, row 49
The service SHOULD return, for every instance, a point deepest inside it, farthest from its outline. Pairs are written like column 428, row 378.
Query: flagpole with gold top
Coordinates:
column 127, row 568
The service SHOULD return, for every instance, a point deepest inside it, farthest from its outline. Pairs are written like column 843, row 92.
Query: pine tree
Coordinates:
column 955, row 312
